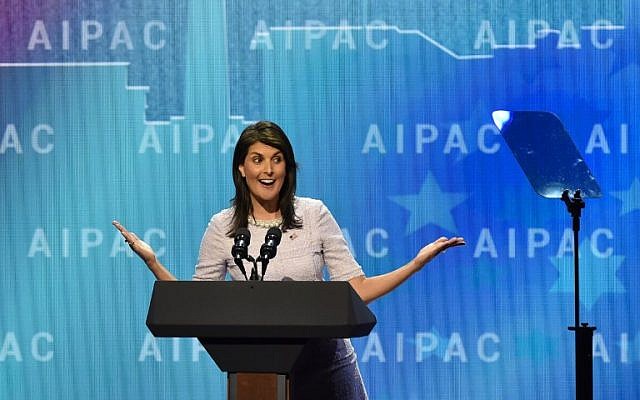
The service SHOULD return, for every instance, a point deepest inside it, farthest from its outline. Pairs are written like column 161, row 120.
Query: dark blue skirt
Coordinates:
column 327, row 369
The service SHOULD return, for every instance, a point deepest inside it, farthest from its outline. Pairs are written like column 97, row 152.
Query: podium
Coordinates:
column 255, row 331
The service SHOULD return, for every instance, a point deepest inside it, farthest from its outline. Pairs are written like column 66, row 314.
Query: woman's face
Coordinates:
column 264, row 170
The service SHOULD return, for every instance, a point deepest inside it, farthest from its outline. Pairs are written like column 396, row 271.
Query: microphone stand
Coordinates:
column 238, row 262
column 254, row 270
column 264, row 261
column 584, row 332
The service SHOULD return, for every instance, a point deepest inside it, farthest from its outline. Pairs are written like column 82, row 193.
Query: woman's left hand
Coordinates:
column 430, row 251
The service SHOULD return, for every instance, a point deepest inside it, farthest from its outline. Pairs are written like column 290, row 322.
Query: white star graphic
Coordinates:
column 630, row 198
column 597, row 275
column 430, row 206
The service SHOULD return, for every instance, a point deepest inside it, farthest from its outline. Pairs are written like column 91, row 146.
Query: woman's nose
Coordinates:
column 268, row 168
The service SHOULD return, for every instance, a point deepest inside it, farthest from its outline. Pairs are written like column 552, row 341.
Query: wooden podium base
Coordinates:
column 257, row 386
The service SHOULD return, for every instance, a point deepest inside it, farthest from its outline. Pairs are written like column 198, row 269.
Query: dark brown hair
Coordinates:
column 272, row 135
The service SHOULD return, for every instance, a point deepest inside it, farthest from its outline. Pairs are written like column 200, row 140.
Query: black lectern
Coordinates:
column 255, row 331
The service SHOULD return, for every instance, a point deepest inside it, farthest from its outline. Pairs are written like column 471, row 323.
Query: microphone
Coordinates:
column 271, row 242
column 269, row 249
column 240, row 248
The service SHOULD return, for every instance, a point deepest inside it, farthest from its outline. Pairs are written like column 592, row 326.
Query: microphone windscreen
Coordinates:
column 244, row 232
column 275, row 234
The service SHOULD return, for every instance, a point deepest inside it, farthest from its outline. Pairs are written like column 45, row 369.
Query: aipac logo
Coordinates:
column 567, row 36
column 146, row 38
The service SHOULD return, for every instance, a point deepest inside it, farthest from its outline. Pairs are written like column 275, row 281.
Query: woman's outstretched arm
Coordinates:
column 146, row 253
column 370, row 288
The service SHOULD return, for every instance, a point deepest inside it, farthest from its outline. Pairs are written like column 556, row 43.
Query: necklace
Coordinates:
column 265, row 223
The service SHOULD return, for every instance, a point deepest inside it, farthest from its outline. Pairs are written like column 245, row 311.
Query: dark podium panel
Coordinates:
column 257, row 327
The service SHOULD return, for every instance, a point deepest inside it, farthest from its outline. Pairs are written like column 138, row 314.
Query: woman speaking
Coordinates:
column 264, row 175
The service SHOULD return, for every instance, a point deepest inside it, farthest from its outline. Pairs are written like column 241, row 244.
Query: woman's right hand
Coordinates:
column 139, row 246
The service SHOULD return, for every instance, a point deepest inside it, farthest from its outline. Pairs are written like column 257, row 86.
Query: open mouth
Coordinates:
column 267, row 182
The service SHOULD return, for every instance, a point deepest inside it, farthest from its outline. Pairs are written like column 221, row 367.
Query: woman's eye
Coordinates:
column 277, row 159
column 256, row 160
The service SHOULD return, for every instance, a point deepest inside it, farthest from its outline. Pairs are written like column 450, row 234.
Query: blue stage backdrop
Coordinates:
column 131, row 109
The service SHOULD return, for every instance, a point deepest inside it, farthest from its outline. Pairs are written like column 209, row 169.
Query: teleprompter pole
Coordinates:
column 584, row 332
